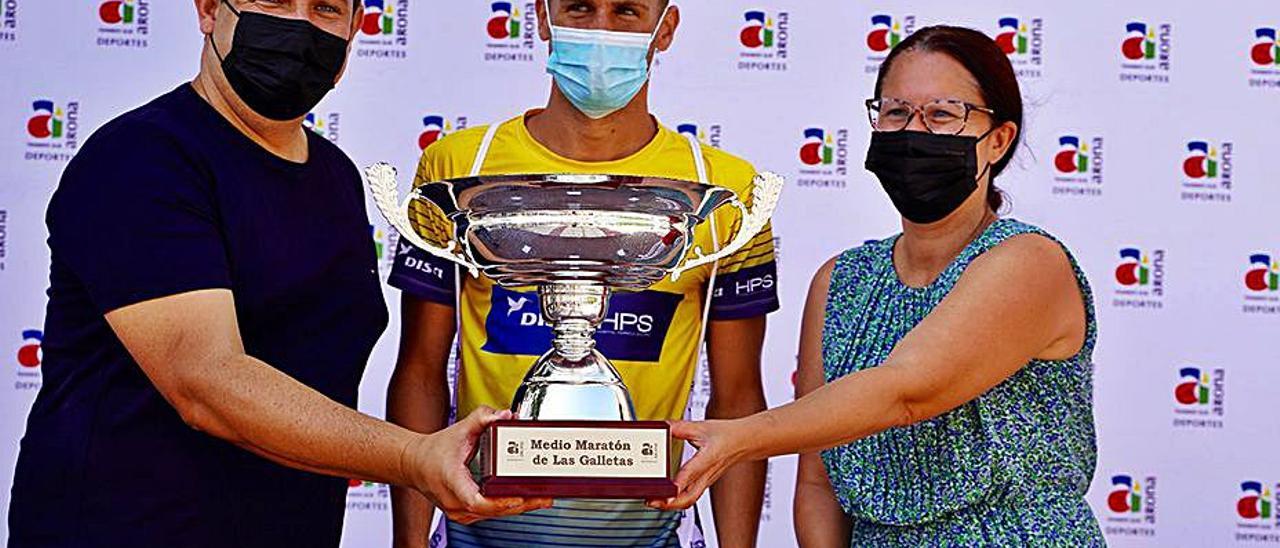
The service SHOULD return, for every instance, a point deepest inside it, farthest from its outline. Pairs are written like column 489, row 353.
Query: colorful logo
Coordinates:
column 817, row 149
column 378, row 238
column 505, row 22
column 1125, row 496
column 1255, row 501
column 435, row 128
column 1266, row 49
column 1072, row 156
column 1134, row 269
column 47, row 122
column 1264, row 274
column 1012, row 36
column 1193, row 388
column 29, row 354
column 314, row 123
column 1201, row 162
column 379, row 18
column 758, row 30
column 113, row 12
column 1140, row 44
column 885, row 33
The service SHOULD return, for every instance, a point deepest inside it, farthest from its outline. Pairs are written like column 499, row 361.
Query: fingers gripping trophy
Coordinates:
column 577, row 238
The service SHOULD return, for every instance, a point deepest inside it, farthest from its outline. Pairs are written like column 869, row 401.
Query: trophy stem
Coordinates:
column 573, row 381
column 574, row 311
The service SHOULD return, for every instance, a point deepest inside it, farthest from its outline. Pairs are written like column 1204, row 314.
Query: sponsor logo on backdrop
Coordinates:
column 1256, row 519
column 437, row 126
column 885, row 33
column 824, row 158
column 384, row 240
column 8, row 20
column 764, row 41
column 4, row 237
column 30, row 356
column 512, row 28
column 384, row 32
column 1023, row 41
column 1199, row 397
column 709, row 134
column 1140, row 279
column 1131, row 506
column 367, row 496
column 1077, row 166
column 1145, row 53
column 1264, row 56
column 1206, row 172
column 1262, row 284
column 324, row 125
column 701, row 393
column 124, row 23
column 52, row 131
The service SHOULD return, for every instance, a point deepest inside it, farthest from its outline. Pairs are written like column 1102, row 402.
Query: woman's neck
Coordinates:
column 925, row 250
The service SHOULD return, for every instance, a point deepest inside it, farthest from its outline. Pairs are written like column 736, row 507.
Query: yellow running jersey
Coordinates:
column 652, row 337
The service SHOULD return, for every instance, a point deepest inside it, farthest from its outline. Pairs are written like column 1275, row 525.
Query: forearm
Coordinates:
column 819, row 521
column 247, row 402
column 737, row 498
column 847, row 409
column 422, row 406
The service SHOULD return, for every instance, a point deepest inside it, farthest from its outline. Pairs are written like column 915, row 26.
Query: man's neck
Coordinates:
column 569, row 133
column 283, row 139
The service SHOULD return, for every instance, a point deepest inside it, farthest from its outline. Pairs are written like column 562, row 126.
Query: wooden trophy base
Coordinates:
column 577, row 459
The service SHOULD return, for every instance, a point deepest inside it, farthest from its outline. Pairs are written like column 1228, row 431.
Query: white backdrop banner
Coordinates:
column 1150, row 130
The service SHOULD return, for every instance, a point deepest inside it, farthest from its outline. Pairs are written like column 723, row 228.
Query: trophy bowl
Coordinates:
column 576, row 238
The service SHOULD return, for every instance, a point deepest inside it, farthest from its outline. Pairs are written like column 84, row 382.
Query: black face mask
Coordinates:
column 926, row 175
column 281, row 68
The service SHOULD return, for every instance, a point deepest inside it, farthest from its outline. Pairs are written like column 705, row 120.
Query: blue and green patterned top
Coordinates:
column 1009, row 468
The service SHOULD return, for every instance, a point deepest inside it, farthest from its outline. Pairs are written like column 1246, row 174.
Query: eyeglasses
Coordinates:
column 943, row 116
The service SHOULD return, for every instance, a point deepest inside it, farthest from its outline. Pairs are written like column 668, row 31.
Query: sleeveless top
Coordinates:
column 1009, row 468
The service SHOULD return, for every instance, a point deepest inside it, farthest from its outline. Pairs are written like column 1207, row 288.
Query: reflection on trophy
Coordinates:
column 576, row 238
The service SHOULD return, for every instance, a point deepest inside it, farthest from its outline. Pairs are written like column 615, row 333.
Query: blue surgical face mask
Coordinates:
column 600, row 71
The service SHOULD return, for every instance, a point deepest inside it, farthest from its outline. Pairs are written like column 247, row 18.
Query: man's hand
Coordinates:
column 438, row 464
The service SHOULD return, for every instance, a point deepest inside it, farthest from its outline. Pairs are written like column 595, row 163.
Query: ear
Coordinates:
column 356, row 19
column 1001, row 140
column 206, row 13
column 544, row 32
column 355, row 28
column 667, row 29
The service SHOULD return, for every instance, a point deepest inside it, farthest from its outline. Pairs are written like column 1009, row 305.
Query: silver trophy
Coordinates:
column 576, row 238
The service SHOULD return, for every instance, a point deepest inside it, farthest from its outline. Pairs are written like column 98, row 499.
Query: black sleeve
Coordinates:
column 134, row 219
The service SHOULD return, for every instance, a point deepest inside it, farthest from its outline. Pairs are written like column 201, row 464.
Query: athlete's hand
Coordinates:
column 438, row 465
column 721, row 444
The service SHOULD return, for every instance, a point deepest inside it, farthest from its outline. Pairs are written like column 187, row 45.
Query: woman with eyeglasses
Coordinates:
column 945, row 376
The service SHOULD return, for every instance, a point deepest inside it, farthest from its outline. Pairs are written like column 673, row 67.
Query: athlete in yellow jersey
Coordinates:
column 652, row 337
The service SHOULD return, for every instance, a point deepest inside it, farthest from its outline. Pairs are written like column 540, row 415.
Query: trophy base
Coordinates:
column 578, row 488
column 577, row 459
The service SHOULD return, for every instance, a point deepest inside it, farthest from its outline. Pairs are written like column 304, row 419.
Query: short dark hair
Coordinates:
column 988, row 64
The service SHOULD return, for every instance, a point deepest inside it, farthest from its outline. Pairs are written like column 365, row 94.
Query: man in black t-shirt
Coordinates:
column 213, row 301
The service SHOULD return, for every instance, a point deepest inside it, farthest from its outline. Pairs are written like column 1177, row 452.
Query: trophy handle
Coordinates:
column 382, row 182
column 764, row 199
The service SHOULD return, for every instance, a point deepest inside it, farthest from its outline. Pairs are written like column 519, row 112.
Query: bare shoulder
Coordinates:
column 1025, row 254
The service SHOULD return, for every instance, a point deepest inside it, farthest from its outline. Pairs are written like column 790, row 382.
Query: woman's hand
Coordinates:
column 438, row 465
column 721, row 444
